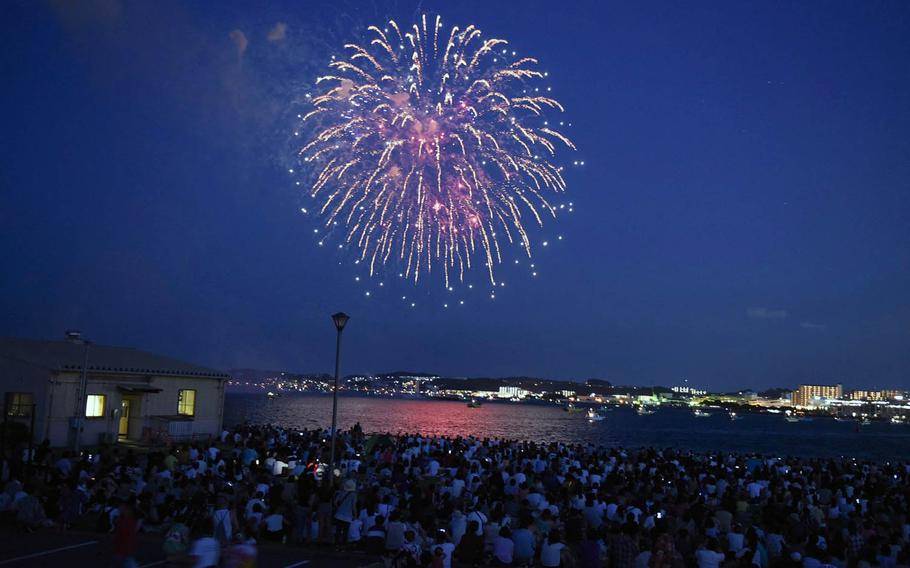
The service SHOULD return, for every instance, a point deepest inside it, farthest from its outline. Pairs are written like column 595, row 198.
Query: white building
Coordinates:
column 686, row 389
column 130, row 394
column 512, row 392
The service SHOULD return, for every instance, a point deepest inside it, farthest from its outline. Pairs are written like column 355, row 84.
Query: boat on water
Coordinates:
column 735, row 416
column 797, row 418
column 841, row 419
column 699, row 413
column 594, row 416
column 865, row 422
column 644, row 410
column 474, row 404
column 792, row 417
column 271, row 394
column 572, row 409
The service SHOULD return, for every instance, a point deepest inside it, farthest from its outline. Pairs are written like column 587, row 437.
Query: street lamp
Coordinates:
column 82, row 399
column 340, row 319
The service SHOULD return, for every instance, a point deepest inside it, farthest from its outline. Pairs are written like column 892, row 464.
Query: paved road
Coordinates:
column 50, row 549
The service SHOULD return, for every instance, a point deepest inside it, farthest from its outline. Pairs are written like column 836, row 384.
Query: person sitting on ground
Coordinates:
column 552, row 550
column 176, row 540
column 709, row 555
column 394, row 534
column 503, row 548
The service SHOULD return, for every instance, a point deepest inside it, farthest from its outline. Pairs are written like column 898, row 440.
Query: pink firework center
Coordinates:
column 431, row 149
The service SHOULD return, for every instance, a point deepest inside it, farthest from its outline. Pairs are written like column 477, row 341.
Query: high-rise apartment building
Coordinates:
column 809, row 395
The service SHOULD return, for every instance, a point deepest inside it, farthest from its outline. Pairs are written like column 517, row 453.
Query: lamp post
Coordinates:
column 82, row 398
column 340, row 320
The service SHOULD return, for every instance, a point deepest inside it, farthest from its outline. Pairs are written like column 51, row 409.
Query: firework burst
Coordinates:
column 428, row 148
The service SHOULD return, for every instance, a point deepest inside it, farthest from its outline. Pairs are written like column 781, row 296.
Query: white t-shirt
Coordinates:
column 754, row 489
column 550, row 554
column 708, row 558
column 480, row 518
column 251, row 504
column 502, row 549
column 354, row 530
column 206, row 550
column 274, row 522
column 447, row 549
column 278, row 467
column 774, row 543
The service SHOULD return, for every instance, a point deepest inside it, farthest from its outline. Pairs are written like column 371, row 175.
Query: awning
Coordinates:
column 137, row 390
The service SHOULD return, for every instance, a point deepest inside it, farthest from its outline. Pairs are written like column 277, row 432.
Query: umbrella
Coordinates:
column 377, row 440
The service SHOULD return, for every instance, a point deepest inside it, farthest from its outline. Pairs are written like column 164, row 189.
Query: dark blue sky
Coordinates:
column 742, row 220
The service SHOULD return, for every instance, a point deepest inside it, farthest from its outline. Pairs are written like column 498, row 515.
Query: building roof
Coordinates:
column 69, row 356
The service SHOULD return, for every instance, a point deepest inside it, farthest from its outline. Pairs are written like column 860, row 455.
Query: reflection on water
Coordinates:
column 764, row 433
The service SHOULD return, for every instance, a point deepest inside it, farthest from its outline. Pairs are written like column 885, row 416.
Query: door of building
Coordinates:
column 124, row 427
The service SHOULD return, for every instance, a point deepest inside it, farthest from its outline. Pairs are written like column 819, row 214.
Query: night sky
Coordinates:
column 742, row 218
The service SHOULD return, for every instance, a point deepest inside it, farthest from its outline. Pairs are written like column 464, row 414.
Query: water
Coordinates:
column 765, row 433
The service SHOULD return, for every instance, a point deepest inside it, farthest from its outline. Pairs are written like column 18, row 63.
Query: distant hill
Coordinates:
column 406, row 374
column 252, row 375
column 775, row 393
column 259, row 375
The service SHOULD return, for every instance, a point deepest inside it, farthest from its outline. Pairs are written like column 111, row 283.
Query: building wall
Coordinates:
column 18, row 376
column 874, row 394
column 206, row 421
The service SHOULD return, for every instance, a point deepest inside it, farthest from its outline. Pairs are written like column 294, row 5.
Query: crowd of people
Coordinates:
column 412, row 501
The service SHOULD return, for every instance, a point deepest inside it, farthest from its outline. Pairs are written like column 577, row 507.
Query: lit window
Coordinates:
column 186, row 402
column 94, row 406
column 19, row 404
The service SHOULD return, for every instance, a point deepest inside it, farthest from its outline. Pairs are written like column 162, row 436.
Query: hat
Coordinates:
column 349, row 485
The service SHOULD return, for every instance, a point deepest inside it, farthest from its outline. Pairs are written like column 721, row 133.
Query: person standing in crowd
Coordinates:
column 126, row 531
column 345, row 503
column 223, row 522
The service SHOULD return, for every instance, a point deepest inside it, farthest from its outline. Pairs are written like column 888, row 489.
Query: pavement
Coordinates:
column 49, row 548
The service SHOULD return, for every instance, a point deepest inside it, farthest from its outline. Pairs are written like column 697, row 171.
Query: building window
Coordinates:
column 19, row 404
column 94, row 406
column 186, row 402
